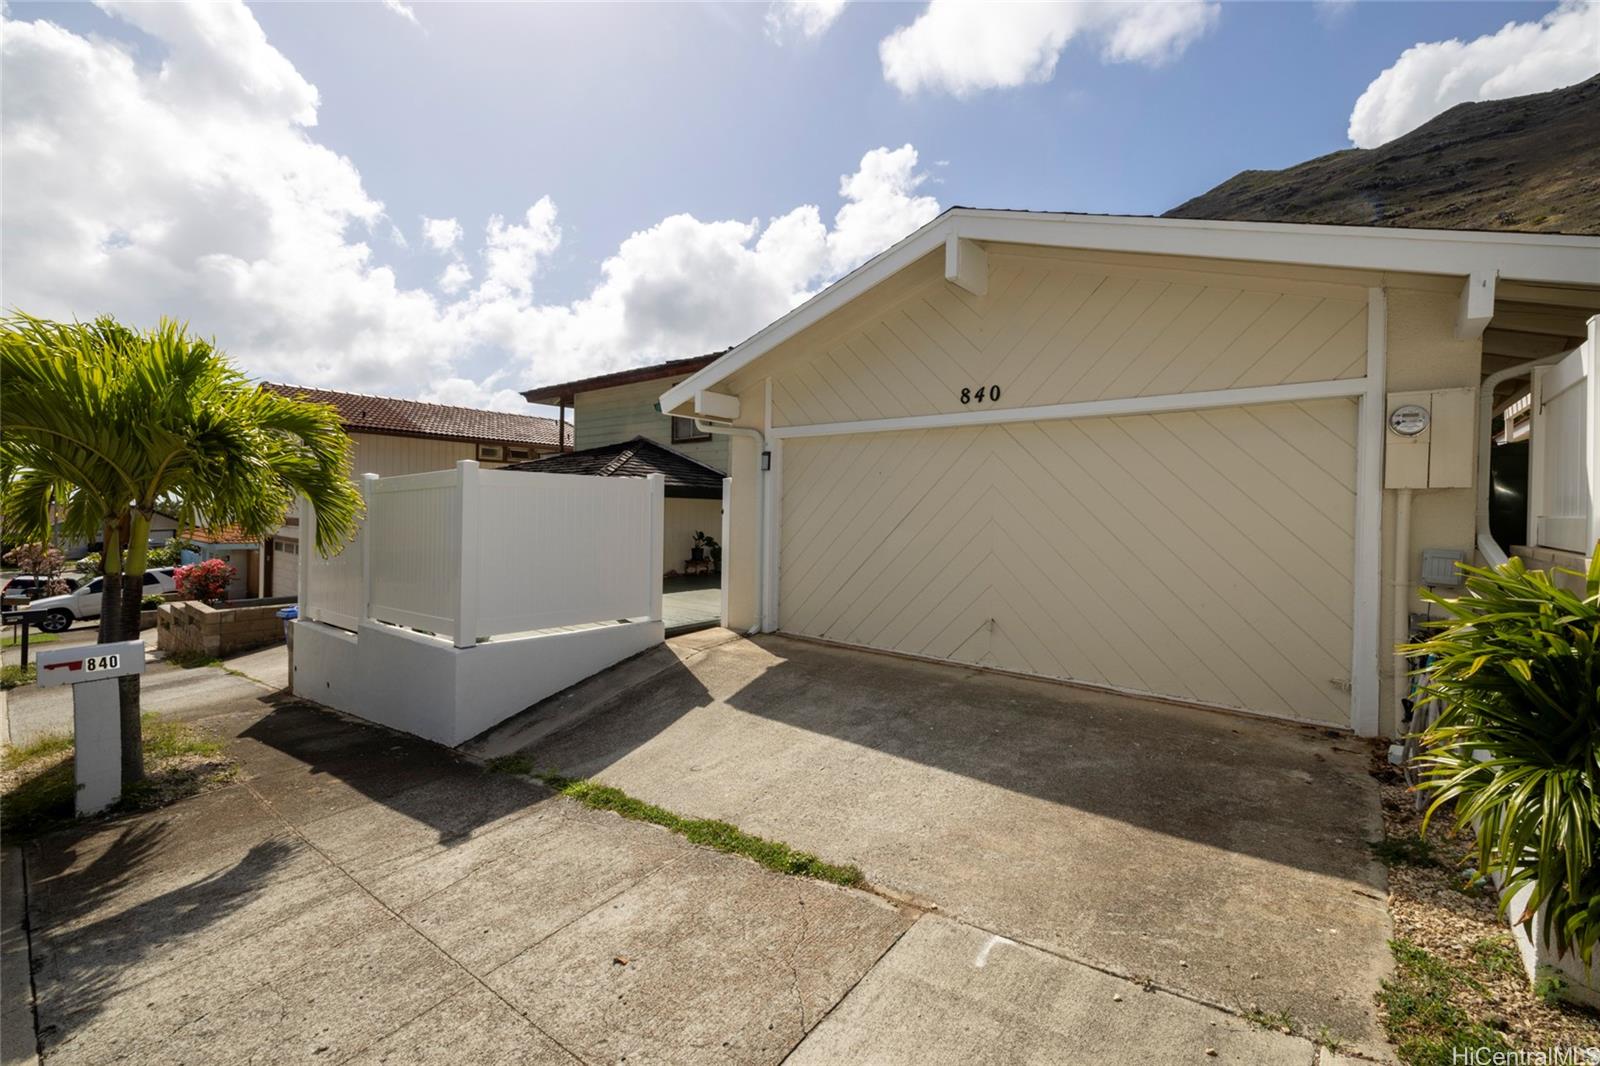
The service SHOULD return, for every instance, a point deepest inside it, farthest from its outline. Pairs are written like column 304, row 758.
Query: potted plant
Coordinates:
column 1517, row 746
column 697, row 554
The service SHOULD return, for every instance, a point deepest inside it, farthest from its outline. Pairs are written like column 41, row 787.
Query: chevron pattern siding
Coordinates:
column 1203, row 555
column 1055, row 330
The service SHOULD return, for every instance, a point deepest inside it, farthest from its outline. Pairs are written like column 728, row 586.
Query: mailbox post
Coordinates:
column 92, row 672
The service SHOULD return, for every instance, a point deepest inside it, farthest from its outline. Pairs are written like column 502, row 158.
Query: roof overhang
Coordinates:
column 1529, row 258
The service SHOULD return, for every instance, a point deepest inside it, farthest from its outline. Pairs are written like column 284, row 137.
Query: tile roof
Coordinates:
column 220, row 535
column 563, row 392
column 413, row 418
column 638, row 457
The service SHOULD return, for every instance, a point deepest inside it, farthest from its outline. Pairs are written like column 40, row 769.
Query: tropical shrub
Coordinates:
column 41, row 560
column 207, row 580
column 1517, row 746
column 151, row 602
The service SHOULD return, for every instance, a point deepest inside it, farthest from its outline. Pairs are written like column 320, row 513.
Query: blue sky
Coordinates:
column 301, row 245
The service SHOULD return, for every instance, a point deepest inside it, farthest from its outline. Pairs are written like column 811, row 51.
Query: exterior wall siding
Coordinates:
column 607, row 416
column 1056, row 329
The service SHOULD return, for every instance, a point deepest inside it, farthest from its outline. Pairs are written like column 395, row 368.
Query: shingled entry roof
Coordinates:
column 639, row 457
column 413, row 418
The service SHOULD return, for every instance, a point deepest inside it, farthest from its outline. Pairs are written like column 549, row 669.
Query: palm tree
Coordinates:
column 101, row 425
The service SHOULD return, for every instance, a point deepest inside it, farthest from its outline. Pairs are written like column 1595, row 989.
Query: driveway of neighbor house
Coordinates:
column 1219, row 857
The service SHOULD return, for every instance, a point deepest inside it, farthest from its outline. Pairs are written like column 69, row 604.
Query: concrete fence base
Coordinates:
column 190, row 627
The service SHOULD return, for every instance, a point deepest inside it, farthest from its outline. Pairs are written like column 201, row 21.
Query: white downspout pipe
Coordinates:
column 1401, row 595
column 761, row 508
column 1488, row 547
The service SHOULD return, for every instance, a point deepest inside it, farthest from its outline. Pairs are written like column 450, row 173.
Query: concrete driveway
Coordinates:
column 360, row 896
column 1221, row 858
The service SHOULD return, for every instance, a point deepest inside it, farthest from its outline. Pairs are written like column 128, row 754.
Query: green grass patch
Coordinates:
column 17, row 676
column 712, row 834
column 9, row 641
column 1279, row 1020
column 1404, row 851
column 38, row 787
column 1421, row 1017
column 1496, row 955
column 511, row 764
column 191, row 659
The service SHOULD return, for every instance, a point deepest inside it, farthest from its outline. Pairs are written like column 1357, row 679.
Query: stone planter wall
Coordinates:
column 191, row 627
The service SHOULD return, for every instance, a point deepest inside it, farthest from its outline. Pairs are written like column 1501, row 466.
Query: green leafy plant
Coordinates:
column 151, row 602
column 1517, row 746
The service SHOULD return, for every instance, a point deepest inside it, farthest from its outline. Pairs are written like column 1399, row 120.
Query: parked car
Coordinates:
column 28, row 587
column 53, row 614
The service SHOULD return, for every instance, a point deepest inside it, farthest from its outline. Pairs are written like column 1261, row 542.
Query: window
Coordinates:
column 490, row 452
column 684, row 431
column 95, row 585
column 150, row 579
column 515, row 454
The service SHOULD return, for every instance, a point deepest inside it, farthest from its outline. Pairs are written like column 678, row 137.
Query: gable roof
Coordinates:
column 639, row 457
column 1558, row 259
column 414, row 418
column 563, row 392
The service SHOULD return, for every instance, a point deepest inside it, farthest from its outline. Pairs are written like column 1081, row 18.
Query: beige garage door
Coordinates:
column 1201, row 555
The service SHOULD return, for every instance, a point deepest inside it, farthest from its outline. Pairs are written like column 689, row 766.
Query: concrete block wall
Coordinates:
column 1556, row 561
column 192, row 627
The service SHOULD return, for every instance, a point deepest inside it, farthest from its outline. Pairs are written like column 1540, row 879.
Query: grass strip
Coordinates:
column 1420, row 1012
column 38, row 785
column 705, row 831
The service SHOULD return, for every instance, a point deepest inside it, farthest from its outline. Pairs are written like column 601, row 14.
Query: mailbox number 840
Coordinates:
column 96, row 663
column 979, row 394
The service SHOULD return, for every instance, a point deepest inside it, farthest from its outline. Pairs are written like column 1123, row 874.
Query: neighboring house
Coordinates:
column 613, row 408
column 234, row 547
column 614, row 412
column 1179, row 458
column 693, row 489
column 394, row 436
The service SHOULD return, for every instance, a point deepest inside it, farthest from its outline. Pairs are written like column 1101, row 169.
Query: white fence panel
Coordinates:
column 1563, row 473
column 414, row 555
column 331, row 589
column 560, row 549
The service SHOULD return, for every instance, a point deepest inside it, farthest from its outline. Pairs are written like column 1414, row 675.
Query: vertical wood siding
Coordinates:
column 1205, row 556
column 1054, row 330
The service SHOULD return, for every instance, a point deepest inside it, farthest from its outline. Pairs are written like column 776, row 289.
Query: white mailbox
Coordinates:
column 92, row 671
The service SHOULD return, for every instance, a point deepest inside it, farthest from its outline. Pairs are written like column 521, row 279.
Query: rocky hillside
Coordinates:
column 1528, row 163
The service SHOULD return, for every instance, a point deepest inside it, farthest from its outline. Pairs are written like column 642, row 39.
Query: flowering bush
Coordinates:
column 207, row 581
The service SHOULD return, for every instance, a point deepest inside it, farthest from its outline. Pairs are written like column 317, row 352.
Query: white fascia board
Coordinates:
column 875, row 271
column 1557, row 259
column 716, row 405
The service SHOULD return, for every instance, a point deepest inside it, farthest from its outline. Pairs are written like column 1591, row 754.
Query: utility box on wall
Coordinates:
column 1429, row 439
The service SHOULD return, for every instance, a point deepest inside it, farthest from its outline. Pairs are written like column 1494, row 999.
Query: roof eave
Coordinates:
column 1533, row 257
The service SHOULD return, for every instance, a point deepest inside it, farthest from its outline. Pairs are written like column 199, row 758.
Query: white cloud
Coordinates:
column 1560, row 49
column 403, row 10
column 196, row 190
column 963, row 48
column 441, row 233
column 811, row 18
column 456, row 277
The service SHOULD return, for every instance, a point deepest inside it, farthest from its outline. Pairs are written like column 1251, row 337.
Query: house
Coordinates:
column 394, row 436
column 1204, row 461
column 234, row 547
column 617, row 407
column 693, row 489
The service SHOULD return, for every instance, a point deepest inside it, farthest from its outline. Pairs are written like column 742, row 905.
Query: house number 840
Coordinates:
column 979, row 394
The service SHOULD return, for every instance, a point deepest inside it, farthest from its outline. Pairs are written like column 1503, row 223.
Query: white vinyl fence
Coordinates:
column 1564, row 456
column 471, row 554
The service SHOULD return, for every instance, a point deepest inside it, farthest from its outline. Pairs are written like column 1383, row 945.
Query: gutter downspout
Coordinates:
column 1401, row 594
column 1488, row 547
column 761, row 508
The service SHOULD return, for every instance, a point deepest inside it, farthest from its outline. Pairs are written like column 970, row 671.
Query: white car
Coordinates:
column 54, row 614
